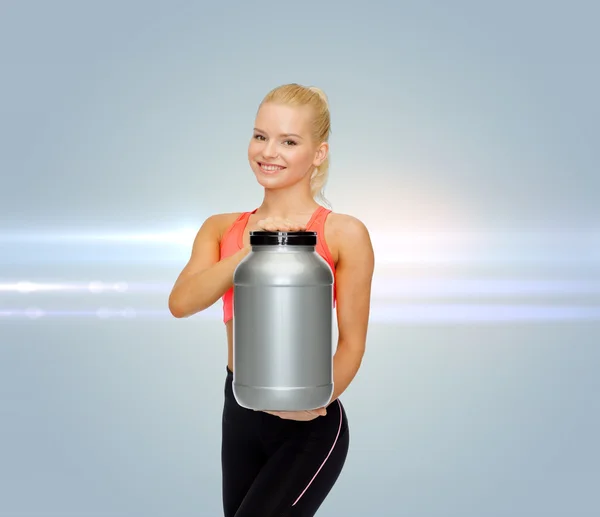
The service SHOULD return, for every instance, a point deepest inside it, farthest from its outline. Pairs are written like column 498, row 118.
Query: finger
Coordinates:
column 289, row 415
column 292, row 226
column 264, row 223
column 271, row 225
column 289, row 228
column 303, row 416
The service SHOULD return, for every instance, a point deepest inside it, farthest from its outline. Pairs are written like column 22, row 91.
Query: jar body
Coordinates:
column 282, row 329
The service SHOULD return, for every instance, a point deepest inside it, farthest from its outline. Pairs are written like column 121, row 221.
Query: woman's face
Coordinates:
column 281, row 151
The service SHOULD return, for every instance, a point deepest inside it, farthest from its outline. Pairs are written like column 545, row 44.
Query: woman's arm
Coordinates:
column 354, row 273
column 205, row 278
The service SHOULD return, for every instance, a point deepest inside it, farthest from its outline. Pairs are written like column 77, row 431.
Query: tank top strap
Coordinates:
column 241, row 226
column 317, row 221
column 317, row 224
column 234, row 234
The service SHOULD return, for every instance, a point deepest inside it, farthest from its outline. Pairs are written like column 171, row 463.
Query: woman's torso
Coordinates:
column 236, row 234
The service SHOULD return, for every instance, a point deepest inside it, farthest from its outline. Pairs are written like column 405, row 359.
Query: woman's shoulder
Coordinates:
column 346, row 232
column 225, row 217
column 346, row 225
column 221, row 222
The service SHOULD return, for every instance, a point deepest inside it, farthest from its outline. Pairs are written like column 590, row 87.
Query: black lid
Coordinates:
column 264, row 238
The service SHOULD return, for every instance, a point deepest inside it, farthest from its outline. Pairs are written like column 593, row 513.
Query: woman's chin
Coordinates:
column 269, row 180
column 270, row 183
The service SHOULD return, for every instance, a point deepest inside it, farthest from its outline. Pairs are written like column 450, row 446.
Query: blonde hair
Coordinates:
column 297, row 95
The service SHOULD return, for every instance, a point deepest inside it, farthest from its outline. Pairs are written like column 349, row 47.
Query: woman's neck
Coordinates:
column 286, row 204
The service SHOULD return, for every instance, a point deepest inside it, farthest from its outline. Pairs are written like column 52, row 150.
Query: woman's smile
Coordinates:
column 269, row 168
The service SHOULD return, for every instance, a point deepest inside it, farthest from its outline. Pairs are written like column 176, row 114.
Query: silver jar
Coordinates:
column 282, row 324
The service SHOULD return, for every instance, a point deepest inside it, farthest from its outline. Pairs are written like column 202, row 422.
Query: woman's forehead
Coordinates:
column 280, row 117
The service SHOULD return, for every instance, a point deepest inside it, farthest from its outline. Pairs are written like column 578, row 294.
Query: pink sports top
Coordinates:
column 232, row 242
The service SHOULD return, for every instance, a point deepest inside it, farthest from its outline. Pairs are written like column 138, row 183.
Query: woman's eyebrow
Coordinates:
column 283, row 134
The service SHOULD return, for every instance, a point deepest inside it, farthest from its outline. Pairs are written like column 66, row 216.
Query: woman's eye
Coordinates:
column 286, row 142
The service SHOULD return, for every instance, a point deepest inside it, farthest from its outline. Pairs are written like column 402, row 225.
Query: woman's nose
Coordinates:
column 270, row 150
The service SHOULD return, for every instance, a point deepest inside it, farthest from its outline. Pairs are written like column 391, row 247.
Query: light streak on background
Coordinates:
column 391, row 313
column 396, row 248
column 382, row 287
column 438, row 292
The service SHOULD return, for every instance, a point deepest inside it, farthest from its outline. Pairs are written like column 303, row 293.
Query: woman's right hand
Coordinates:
column 274, row 224
column 278, row 224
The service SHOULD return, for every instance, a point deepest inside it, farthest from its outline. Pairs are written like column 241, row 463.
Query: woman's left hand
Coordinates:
column 304, row 416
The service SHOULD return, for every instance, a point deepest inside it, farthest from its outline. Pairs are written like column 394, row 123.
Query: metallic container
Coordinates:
column 282, row 324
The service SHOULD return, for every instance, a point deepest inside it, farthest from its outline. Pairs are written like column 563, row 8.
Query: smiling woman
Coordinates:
column 273, row 149
column 274, row 463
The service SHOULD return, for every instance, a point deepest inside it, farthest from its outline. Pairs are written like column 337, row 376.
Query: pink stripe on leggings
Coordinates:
column 326, row 457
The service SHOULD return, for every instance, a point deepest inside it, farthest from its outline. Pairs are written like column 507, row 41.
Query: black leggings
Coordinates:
column 273, row 467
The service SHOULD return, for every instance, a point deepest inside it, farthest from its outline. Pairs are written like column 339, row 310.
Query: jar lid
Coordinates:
column 264, row 238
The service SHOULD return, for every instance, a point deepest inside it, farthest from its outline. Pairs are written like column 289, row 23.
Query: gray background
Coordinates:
column 465, row 137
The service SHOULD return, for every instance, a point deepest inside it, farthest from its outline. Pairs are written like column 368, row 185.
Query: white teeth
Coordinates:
column 270, row 167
